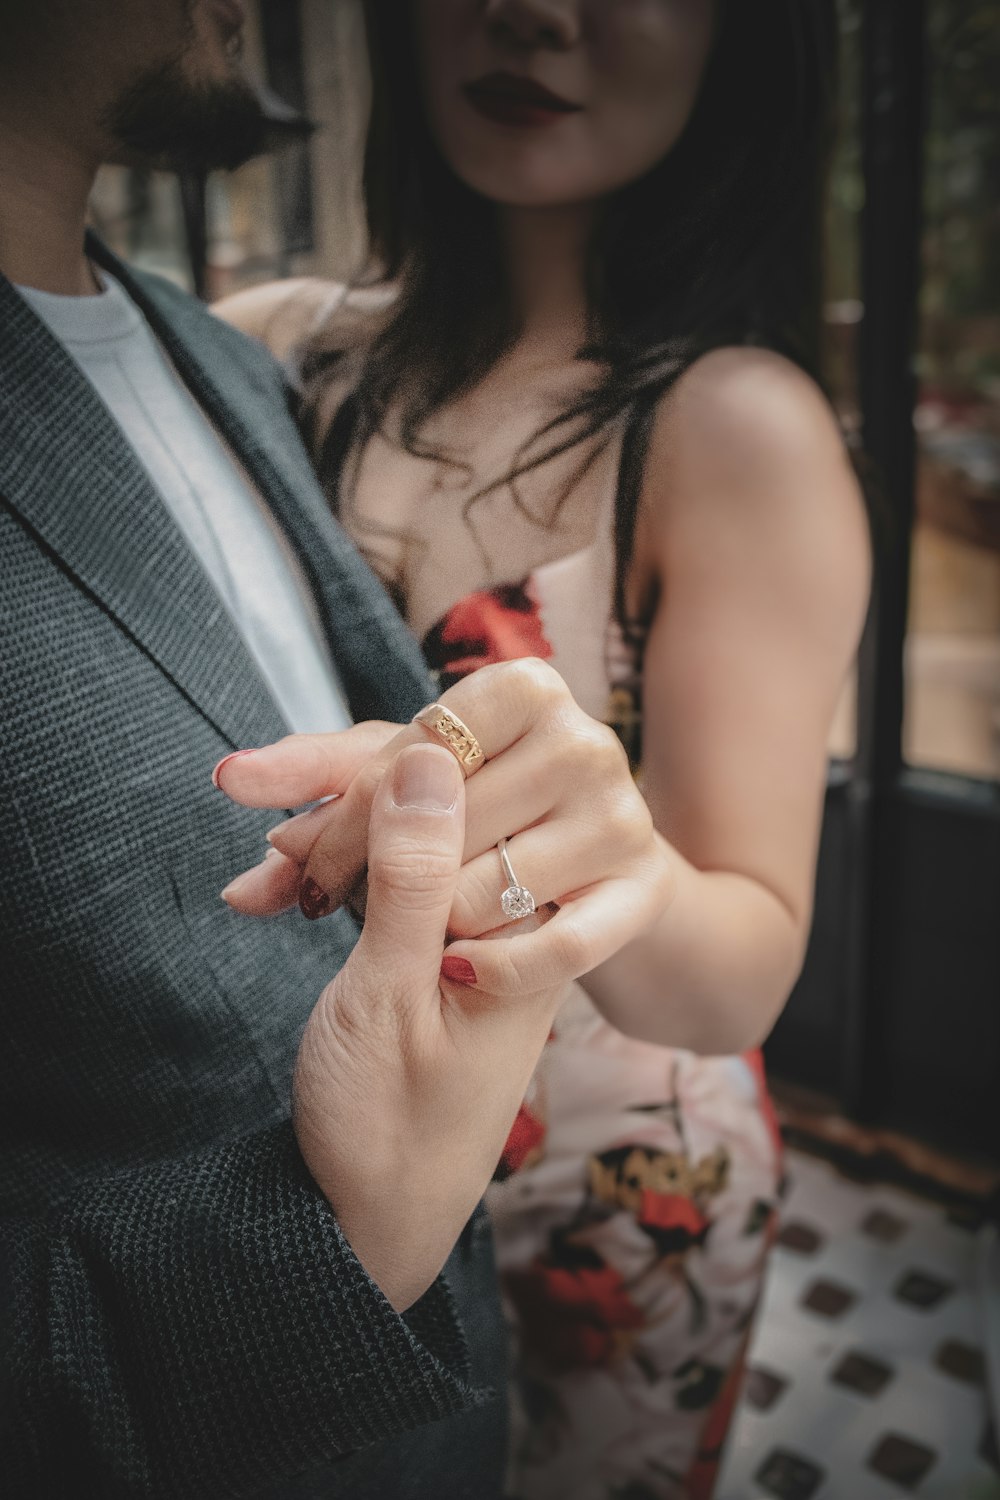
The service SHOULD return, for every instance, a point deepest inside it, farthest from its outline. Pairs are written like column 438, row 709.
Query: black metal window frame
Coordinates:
column 888, row 800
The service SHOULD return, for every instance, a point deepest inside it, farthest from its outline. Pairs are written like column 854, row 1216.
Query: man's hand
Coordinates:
column 406, row 1086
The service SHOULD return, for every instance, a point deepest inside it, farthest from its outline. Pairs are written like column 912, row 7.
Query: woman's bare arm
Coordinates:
column 754, row 524
column 282, row 314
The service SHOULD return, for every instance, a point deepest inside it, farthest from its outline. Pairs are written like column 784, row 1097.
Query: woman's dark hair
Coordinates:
column 718, row 244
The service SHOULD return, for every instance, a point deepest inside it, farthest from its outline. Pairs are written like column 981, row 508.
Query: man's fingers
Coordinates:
column 302, row 767
column 415, row 853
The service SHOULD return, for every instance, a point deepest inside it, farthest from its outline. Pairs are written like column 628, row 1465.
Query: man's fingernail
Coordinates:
column 233, row 755
column 314, row 902
column 458, row 970
column 425, row 777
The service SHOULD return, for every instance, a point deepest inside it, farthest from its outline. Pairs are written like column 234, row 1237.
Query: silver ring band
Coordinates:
column 516, row 901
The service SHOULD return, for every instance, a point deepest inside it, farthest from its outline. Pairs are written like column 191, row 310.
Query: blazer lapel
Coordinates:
column 382, row 670
column 68, row 471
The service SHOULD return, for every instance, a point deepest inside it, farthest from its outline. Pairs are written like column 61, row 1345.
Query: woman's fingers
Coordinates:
column 302, row 767
column 545, row 758
column 329, row 839
column 579, row 937
column 268, row 888
column 503, row 702
column 295, row 837
column 536, row 740
column 544, row 861
column 288, row 773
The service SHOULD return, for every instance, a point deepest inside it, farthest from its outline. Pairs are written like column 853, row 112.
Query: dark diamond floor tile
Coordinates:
column 862, row 1374
column 855, row 1167
column 901, row 1460
column 962, row 1361
column 922, row 1289
column 759, row 1216
column 880, row 1224
column 801, row 1238
column 828, row 1298
column 788, row 1475
column 763, row 1388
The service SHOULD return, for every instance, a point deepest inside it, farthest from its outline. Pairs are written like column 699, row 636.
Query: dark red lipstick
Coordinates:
column 511, row 99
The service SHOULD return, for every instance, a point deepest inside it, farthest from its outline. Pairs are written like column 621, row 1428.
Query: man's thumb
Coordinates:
column 415, row 844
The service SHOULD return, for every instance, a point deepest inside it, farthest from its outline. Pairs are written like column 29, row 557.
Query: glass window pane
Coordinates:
column 952, row 719
column 843, row 307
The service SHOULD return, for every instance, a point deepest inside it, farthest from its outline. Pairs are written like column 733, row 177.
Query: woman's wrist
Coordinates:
column 711, row 974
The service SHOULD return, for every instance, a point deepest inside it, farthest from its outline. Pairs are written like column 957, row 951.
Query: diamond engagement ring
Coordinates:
column 517, row 900
column 458, row 737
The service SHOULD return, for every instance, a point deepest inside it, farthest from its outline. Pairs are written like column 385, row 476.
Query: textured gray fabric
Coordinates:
column 181, row 1315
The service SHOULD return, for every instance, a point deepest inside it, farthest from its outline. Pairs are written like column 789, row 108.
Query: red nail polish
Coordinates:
column 233, row 755
column 314, row 902
column 458, row 970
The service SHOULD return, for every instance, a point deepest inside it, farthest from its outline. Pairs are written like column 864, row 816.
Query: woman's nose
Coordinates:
column 535, row 23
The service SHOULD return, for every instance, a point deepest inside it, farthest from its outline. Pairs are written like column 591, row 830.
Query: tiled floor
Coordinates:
column 867, row 1377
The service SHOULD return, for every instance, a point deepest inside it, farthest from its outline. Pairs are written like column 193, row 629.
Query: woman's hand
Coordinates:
column 555, row 782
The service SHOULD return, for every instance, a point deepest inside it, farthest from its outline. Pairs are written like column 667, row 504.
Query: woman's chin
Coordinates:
column 524, row 190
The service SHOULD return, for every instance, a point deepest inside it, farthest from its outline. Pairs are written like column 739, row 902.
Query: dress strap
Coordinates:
column 628, row 487
column 338, row 441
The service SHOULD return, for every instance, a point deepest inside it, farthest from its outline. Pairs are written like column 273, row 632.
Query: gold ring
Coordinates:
column 457, row 736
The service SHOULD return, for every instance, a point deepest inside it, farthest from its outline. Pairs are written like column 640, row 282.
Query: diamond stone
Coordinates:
column 517, row 901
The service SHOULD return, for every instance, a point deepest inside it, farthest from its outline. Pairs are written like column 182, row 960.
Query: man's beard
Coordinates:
column 166, row 120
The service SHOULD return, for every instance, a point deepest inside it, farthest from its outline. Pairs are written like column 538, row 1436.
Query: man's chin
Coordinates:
column 165, row 121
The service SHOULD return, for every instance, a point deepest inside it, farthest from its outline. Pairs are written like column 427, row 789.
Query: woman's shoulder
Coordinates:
column 287, row 315
column 747, row 427
column 745, row 405
column 748, row 465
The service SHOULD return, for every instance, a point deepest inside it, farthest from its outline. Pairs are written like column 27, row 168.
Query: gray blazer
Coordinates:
column 180, row 1314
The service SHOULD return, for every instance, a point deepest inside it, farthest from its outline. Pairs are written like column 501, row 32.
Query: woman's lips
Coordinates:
column 509, row 99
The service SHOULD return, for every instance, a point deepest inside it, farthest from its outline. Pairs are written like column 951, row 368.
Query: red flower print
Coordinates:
column 672, row 1211
column 573, row 1317
column 493, row 625
column 673, row 1222
column 526, row 1134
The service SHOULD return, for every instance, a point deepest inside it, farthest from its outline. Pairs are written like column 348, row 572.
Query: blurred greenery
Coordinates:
column 960, row 301
column 846, row 196
column 960, row 294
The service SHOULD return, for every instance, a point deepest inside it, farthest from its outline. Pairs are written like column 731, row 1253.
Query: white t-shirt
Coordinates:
column 225, row 520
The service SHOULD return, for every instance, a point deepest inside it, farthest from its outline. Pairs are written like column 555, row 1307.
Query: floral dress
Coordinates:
column 634, row 1203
